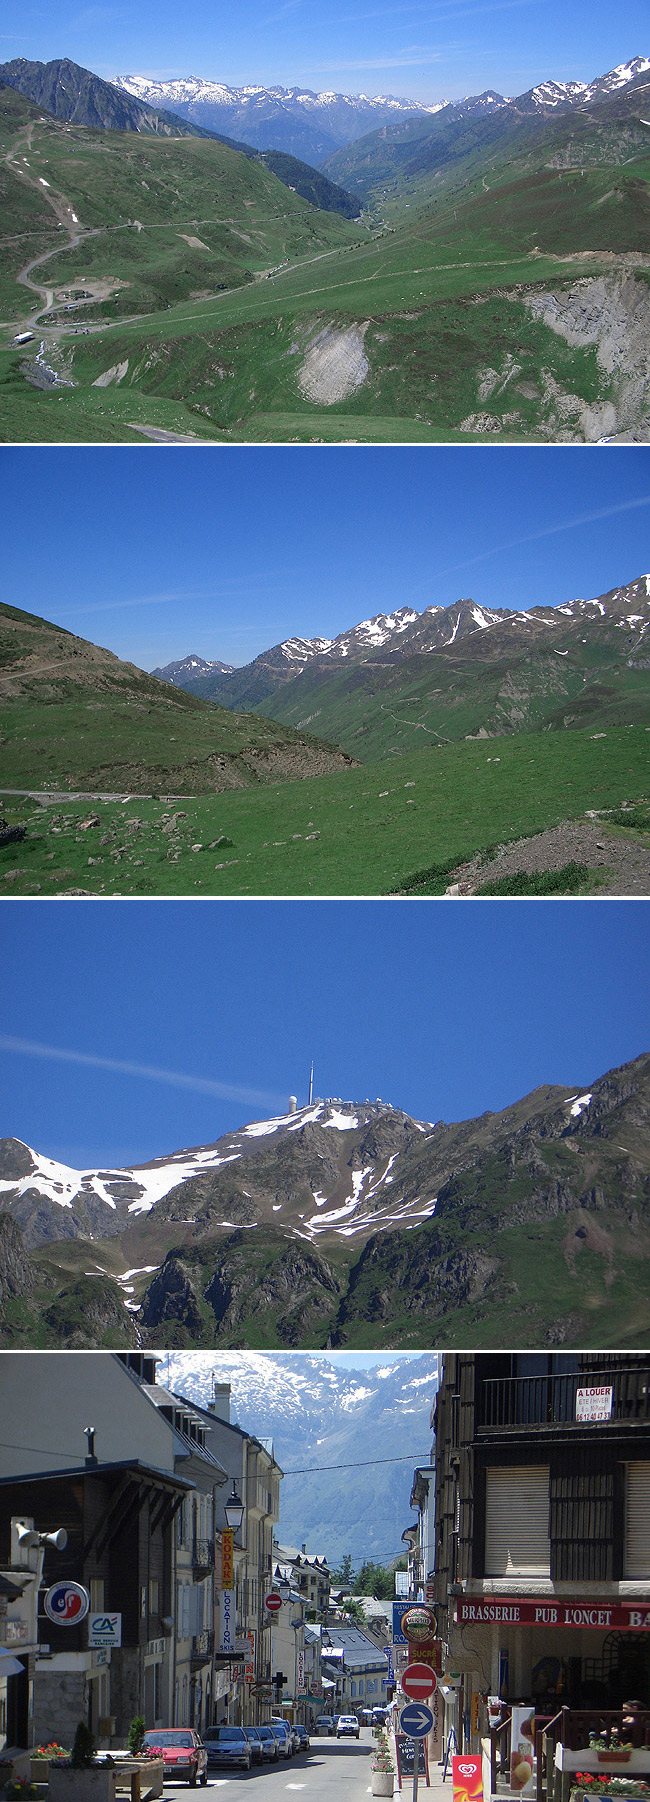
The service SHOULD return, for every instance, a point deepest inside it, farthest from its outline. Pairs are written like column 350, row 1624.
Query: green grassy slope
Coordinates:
column 74, row 715
column 361, row 832
column 438, row 292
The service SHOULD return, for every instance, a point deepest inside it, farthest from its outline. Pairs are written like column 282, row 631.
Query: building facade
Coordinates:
column 542, row 1530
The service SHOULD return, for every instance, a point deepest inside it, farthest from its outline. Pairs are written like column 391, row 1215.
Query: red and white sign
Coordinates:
column 627, row 1617
column 467, row 1777
column 273, row 1601
column 418, row 1681
column 594, row 1404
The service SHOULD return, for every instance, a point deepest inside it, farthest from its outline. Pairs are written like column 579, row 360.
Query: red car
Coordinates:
column 184, row 1755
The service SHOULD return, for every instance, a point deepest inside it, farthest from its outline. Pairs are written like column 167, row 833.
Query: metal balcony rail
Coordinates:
column 508, row 1404
column 203, row 1644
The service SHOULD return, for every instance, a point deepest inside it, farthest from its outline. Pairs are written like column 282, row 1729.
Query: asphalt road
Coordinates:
column 316, row 1776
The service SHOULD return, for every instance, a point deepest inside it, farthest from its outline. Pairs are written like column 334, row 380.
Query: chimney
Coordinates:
column 219, row 1404
column 90, row 1459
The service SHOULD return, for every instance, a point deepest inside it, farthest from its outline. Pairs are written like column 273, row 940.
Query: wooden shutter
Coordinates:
column 517, row 1541
column 637, row 1521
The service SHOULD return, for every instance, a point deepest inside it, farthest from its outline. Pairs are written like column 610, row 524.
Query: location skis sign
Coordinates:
column 418, row 1681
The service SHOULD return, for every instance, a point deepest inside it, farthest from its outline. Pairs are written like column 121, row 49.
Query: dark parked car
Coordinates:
column 270, row 1747
column 303, row 1737
column 183, row 1753
column 255, row 1743
column 227, row 1745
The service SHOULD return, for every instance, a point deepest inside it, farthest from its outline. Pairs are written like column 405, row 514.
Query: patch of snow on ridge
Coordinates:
column 342, row 1122
column 580, row 1102
column 157, row 1183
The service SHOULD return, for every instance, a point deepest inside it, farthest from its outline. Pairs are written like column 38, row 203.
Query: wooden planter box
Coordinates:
column 614, row 1754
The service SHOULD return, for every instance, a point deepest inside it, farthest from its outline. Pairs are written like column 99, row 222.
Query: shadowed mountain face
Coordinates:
column 68, row 91
column 351, row 1223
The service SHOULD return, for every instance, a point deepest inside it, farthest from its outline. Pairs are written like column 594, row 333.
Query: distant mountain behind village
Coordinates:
column 320, row 1414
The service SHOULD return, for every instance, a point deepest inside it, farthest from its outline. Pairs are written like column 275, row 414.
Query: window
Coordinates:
column 97, row 1602
column 637, row 1520
column 517, row 1540
column 154, row 1593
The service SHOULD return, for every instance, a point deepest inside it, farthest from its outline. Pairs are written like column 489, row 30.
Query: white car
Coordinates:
column 348, row 1725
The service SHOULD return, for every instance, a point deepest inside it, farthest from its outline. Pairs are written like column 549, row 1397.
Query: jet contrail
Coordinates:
column 175, row 1079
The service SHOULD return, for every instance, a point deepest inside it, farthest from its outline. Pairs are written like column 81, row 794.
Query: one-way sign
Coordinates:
column 416, row 1720
column 418, row 1681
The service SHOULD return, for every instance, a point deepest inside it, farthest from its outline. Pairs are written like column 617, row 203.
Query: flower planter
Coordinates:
column 92, row 1784
column 614, row 1754
column 382, row 1783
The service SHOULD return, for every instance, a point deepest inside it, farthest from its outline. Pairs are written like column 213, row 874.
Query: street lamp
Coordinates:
column 234, row 1510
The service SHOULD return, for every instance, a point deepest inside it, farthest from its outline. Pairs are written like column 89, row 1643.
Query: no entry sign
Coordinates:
column 273, row 1601
column 418, row 1681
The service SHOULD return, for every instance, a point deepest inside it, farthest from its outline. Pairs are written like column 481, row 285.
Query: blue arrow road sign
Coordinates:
column 416, row 1720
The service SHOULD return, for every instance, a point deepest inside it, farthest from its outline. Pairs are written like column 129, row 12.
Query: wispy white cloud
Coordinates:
column 242, row 591
column 511, row 544
column 224, row 1091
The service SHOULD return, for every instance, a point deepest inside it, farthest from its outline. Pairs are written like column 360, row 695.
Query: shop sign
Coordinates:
column 227, row 1557
column 627, row 1617
column 300, row 1671
column 249, row 1667
column 66, row 1603
column 594, row 1404
column 104, row 1629
column 227, row 1621
column 467, row 1778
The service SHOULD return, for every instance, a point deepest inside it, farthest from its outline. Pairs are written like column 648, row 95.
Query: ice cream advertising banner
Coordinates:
column 522, row 1751
column 467, row 1777
column 227, row 1539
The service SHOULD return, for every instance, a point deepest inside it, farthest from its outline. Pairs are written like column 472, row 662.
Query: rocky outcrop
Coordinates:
column 16, row 1272
column 172, row 1296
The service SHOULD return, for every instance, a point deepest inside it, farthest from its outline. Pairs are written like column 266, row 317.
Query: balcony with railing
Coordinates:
column 546, row 1403
column 202, row 1646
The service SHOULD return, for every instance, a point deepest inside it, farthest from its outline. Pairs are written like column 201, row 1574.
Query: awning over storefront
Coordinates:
column 622, row 1617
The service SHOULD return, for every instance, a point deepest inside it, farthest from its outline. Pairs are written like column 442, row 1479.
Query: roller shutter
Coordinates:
column 517, row 1542
column 637, row 1521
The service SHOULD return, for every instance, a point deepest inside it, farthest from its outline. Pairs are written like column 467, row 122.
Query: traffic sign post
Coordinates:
column 417, row 1721
column 418, row 1681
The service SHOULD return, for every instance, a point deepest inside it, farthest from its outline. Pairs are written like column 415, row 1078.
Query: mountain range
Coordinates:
column 316, row 125
column 65, row 90
column 349, row 1223
column 320, row 1414
column 449, row 672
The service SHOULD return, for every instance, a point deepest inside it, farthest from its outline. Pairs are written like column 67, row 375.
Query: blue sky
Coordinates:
column 158, row 553
column 426, row 49
column 443, row 1010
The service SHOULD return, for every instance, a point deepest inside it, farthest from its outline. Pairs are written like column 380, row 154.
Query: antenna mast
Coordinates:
column 311, row 1083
